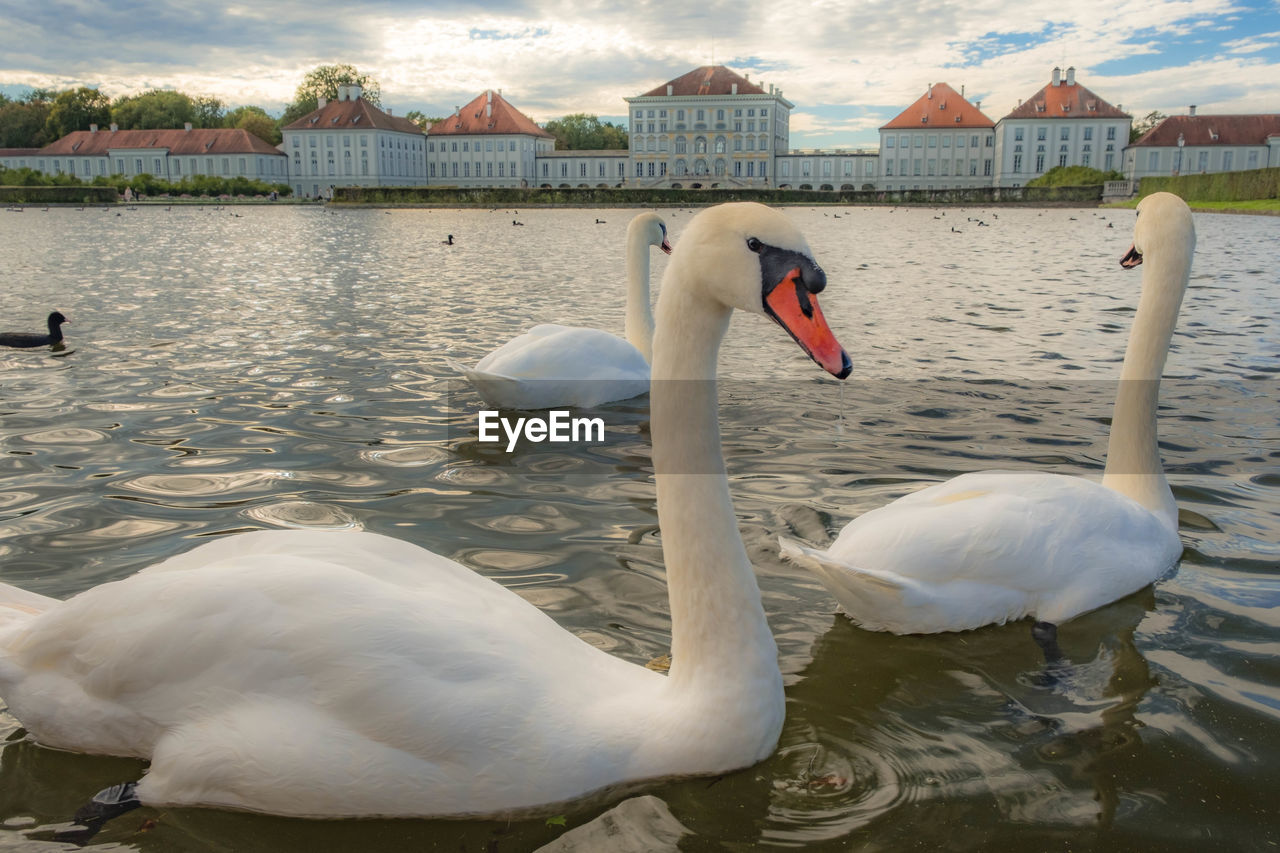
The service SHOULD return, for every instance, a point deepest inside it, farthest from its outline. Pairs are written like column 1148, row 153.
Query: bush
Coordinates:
column 149, row 185
column 1074, row 176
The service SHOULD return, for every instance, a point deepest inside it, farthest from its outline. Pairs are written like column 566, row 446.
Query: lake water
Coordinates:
column 260, row 367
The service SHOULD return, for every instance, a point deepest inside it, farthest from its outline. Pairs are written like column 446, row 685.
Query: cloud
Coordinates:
column 848, row 68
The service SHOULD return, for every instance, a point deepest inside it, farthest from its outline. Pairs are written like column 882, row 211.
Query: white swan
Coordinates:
column 326, row 674
column 552, row 365
column 995, row 546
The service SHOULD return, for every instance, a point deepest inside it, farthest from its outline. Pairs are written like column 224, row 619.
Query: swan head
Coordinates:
column 752, row 258
column 651, row 229
column 1164, row 220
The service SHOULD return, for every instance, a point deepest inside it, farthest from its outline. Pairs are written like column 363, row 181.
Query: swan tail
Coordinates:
column 877, row 601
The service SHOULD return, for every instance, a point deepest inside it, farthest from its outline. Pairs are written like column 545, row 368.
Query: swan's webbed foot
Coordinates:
column 107, row 804
column 1046, row 636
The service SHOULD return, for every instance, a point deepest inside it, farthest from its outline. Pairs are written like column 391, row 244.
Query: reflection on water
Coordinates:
column 287, row 369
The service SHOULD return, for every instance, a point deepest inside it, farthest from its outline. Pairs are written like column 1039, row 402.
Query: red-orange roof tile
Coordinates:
column 89, row 143
column 707, row 80
column 1213, row 130
column 488, row 112
column 940, row 108
column 1066, row 101
column 350, row 115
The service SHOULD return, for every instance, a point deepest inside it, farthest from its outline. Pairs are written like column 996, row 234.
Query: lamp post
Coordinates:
column 1177, row 165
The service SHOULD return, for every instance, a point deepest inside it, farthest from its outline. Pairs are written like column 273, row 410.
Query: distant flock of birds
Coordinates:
column 397, row 680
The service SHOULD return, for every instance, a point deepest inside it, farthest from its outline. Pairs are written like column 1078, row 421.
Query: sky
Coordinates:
column 848, row 67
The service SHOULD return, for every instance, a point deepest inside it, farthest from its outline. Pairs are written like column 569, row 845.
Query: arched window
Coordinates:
column 700, row 145
column 720, row 145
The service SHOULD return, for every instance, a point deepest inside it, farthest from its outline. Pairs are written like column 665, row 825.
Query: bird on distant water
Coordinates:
column 31, row 339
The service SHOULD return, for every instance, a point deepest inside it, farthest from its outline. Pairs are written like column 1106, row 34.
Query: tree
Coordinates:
column 1142, row 125
column 323, row 82
column 208, row 111
column 157, row 109
column 421, row 119
column 22, row 122
column 582, row 132
column 256, row 121
column 76, row 109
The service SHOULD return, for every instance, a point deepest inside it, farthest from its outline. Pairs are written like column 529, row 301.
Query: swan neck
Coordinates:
column 638, row 327
column 719, row 632
column 1133, row 453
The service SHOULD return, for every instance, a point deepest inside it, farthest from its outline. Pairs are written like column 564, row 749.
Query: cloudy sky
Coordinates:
column 848, row 67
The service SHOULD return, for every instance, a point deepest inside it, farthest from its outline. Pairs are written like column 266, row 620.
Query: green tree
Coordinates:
column 208, row 111
column 1142, row 125
column 157, row 109
column 421, row 119
column 583, row 132
column 1074, row 176
column 256, row 121
column 323, row 82
column 22, row 121
column 76, row 109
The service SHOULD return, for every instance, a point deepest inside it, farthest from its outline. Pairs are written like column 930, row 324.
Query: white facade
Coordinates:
column 710, row 127
column 487, row 143
column 485, row 160
column 349, row 142
column 936, row 159
column 827, row 170
column 1064, row 124
column 561, row 169
column 1192, row 144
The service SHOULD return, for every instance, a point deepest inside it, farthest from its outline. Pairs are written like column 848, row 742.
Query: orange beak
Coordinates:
column 796, row 310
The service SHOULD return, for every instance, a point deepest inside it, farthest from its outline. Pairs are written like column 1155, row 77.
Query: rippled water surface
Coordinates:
column 288, row 368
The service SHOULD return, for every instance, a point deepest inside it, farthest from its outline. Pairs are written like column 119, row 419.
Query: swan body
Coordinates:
column 995, row 546
column 339, row 673
column 27, row 340
column 553, row 365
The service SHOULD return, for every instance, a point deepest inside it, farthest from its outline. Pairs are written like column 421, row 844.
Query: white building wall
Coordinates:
column 353, row 157
column 1027, row 148
column 934, row 159
column 485, row 160
column 1148, row 161
column 828, row 170
column 726, row 140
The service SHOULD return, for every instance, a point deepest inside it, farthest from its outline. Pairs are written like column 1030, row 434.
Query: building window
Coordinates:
column 986, row 167
column 1017, row 134
column 1153, row 161
column 888, row 168
column 1203, row 164
column 1039, row 163
column 888, row 142
column 1064, row 134
column 1226, row 160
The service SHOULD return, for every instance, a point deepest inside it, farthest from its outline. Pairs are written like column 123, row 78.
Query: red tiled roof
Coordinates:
column 350, row 115
column 18, row 152
column 1066, row 101
column 938, row 109
column 488, row 112
column 1213, row 130
column 186, row 142
column 707, row 80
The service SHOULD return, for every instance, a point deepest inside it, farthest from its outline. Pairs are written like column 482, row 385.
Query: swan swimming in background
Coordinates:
column 552, row 365
column 995, row 546
column 26, row 340
column 344, row 673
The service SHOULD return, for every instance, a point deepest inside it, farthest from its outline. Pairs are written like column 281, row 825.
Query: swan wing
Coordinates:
column 553, row 365
column 275, row 671
column 995, row 546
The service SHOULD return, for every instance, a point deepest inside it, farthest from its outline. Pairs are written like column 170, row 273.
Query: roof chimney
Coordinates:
column 93, row 128
column 488, row 110
column 342, row 92
column 1057, row 76
column 354, row 92
column 186, row 125
column 1071, row 76
column 489, row 96
column 114, row 127
column 321, row 103
column 1193, row 110
column 670, row 90
column 733, row 89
